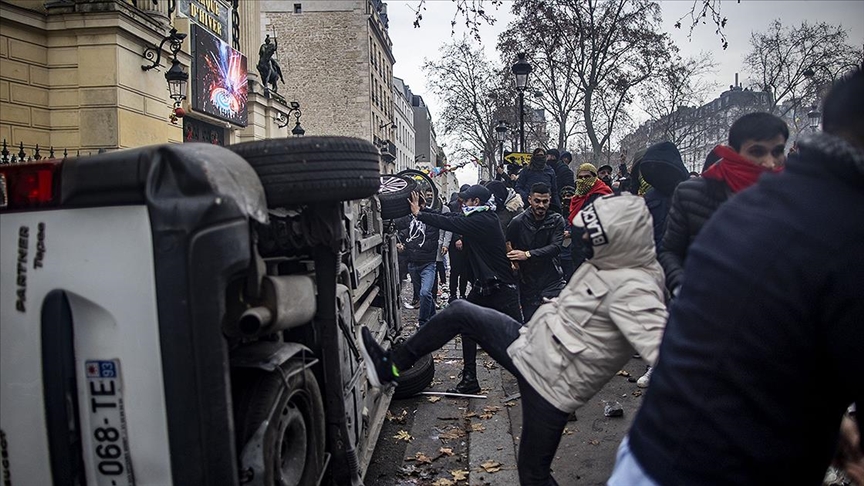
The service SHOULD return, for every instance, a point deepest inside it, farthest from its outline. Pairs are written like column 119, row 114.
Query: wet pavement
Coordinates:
column 441, row 441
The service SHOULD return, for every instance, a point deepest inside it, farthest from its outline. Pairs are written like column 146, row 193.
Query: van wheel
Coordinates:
column 415, row 379
column 305, row 170
column 393, row 194
column 293, row 445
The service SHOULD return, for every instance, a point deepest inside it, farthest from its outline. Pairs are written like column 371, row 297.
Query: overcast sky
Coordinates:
column 411, row 46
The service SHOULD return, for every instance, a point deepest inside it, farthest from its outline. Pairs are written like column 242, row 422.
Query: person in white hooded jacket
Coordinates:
column 613, row 306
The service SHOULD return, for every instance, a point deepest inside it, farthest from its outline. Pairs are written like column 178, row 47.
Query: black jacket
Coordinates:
column 483, row 240
column 420, row 239
column 563, row 175
column 529, row 176
column 694, row 201
column 762, row 351
column 662, row 167
column 540, row 276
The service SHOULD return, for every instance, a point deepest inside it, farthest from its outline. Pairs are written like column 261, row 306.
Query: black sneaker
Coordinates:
column 379, row 367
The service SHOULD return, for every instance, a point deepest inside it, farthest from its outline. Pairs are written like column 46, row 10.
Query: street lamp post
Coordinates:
column 814, row 116
column 521, row 70
column 501, row 135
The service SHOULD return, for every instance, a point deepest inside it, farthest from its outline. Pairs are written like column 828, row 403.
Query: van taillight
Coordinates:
column 30, row 185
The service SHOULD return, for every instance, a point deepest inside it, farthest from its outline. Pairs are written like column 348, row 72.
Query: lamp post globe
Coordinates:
column 177, row 80
column 501, row 131
column 814, row 116
column 521, row 70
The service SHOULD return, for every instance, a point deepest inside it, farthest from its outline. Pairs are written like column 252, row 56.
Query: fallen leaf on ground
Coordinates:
column 490, row 365
column 442, row 482
column 491, row 466
column 492, row 408
column 594, row 442
column 434, row 399
column 454, row 433
column 446, row 451
column 477, row 428
column 403, row 435
column 422, row 458
column 400, row 419
column 623, row 373
column 459, row 474
column 637, row 393
column 567, row 431
column 469, row 414
column 510, row 404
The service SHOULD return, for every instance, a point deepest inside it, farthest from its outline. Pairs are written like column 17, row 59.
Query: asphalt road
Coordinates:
column 456, row 441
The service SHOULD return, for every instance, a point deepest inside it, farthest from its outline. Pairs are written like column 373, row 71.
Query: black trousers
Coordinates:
column 542, row 423
column 504, row 299
column 460, row 273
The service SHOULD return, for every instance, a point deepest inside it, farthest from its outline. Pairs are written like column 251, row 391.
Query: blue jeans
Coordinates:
column 628, row 471
column 426, row 272
column 542, row 423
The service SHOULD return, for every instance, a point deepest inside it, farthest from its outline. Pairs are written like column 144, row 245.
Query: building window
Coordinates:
column 298, row 8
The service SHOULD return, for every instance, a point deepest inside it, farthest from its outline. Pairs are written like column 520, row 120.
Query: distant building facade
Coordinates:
column 697, row 130
column 425, row 143
column 403, row 119
column 337, row 60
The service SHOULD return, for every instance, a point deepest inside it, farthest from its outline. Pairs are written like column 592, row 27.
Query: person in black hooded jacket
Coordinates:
column 563, row 174
column 663, row 169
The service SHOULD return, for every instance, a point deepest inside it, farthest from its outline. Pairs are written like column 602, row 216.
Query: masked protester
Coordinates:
column 566, row 257
column 588, row 188
column 538, row 171
column 563, row 173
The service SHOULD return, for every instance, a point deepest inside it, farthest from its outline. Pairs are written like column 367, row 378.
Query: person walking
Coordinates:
column 494, row 284
column 536, row 236
column 762, row 352
column 563, row 174
column 572, row 346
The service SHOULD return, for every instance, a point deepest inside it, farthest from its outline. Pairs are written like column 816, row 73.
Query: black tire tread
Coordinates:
column 313, row 169
column 415, row 379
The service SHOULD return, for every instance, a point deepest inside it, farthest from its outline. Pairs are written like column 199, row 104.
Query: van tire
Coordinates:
column 415, row 379
column 393, row 195
column 296, row 428
column 304, row 170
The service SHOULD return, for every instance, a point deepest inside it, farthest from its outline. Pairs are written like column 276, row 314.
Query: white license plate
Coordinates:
column 110, row 450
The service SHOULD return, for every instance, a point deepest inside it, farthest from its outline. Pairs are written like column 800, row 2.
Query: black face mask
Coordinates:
column 538, row 161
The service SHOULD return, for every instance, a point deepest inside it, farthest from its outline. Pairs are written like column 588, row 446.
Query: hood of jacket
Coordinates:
column 621, row 231
column 662, row 167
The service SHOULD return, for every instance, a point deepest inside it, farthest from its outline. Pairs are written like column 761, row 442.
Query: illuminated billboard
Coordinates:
column 219, row 85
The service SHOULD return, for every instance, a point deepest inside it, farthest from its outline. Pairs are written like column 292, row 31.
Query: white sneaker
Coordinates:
column 643, row 380
column 407, row 305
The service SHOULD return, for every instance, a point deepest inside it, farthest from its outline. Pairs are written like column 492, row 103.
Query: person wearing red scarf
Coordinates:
column 588, row 188
column 757, row 143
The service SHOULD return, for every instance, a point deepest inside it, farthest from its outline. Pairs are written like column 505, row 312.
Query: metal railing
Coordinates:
column 21, row 156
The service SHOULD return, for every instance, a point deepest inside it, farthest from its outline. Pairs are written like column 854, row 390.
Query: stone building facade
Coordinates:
column 337, row 59
column 425, row 144
column 71, row 75
column 403, row 118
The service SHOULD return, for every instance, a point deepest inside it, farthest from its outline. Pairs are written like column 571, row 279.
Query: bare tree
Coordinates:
column 793, row 63
column 466, row 82
column 553, row 76
column 670, row 98
column 616, row 46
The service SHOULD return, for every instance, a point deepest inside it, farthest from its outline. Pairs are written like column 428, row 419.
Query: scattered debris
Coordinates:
column 422, row 458
column 399, row 419
column 403, row 435
column 594, row 442
column 454, row 433
column 623, row 373
column 477, row 428
column 468, row 415
column 445, row 451
column 434, row 399
column 490, row 364
column 491, row 466
column 637, row 393
column 567, row 431
column 510, row 404
column 613, row 410
column 442, row 482
column 448, row 394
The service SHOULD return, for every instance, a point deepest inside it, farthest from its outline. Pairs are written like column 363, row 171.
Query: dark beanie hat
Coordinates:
column 566, row 155
column 499, row 190
column 475, row 192
column 463, row 187
column 554, row 152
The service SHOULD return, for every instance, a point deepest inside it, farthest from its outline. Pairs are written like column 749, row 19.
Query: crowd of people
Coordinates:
column 740, row 286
